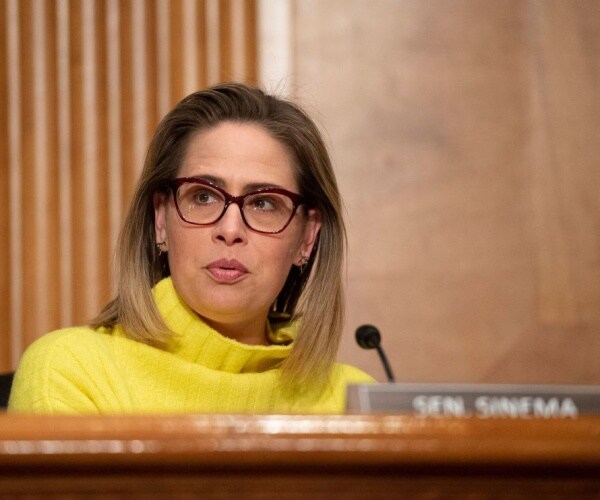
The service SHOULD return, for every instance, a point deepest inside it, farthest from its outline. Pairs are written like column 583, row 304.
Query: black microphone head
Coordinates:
column 368, row 336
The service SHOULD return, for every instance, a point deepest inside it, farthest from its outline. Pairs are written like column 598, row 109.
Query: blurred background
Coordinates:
column 465, row 136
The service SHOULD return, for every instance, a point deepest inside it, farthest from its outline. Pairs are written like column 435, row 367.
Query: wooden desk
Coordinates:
column 350, row 457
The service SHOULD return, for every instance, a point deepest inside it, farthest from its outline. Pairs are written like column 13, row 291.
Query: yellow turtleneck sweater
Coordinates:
column 86, row 371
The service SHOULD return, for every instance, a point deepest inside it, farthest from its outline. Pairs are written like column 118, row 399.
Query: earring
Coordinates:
column 159, row 247
column 303, row 262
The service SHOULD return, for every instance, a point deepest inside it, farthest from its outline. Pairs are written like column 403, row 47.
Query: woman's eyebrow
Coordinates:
column 255, row 186
column 217, row 181
column 252, row 186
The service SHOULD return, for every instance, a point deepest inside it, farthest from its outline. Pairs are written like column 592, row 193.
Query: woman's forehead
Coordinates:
column 238, row 155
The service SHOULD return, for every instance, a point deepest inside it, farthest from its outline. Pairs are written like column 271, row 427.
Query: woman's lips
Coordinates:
column 227, row 271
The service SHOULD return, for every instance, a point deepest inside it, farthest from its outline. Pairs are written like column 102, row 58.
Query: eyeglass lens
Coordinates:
column 201, row 204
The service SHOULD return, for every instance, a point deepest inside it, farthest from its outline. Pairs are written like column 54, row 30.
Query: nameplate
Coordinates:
column 475, row 400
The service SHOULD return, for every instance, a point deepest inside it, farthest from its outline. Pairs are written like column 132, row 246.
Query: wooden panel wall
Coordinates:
column 466, row 137
column 82, row 86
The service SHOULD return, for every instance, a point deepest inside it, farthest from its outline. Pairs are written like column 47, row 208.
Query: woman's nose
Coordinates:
column 231, row 228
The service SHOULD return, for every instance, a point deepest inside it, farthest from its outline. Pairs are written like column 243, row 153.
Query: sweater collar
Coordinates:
column 195, row 341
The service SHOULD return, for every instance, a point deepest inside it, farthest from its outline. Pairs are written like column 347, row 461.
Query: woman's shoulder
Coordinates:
column 77, row 337
column 59, row 349
column 55, row 359
column 66, row 350
column 351, row 375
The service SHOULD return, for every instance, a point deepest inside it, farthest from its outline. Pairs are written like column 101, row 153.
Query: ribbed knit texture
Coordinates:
column 80, row 370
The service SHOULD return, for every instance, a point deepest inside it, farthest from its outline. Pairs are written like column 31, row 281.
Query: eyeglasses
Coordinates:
column 267, row 210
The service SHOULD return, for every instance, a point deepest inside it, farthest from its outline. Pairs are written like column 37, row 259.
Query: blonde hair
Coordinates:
column 315, row 294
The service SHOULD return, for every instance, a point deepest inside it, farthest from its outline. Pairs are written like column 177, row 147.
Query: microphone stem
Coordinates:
column 386, row 365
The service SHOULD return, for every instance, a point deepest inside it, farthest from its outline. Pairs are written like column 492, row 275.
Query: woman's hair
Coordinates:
column 315, row 294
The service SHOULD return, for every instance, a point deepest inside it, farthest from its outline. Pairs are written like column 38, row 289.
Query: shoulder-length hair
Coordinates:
column 315, row 294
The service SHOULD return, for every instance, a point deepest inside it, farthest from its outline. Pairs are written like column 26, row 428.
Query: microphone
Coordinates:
column 368, row 337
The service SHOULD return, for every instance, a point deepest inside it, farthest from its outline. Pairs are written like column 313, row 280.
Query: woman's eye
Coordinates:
column 263, row 203
column 204, row 197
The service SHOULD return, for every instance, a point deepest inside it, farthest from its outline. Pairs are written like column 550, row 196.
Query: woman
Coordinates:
column 229, row 293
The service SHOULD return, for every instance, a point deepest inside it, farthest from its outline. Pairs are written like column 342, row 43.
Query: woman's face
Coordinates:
column 226, row 272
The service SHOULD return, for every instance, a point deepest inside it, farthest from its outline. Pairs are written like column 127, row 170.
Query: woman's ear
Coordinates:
column 312, row 227
column 160, row 218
